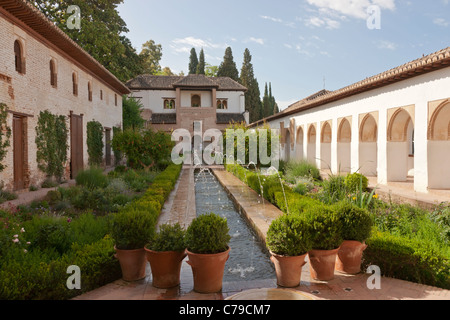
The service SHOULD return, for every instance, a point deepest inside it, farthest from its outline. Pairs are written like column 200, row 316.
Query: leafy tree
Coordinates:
column 95, row 143
column 166, row 71
column 253, row 95
column 132, row 113
column 201, row 63
column 52, row 144
column 5, row 134
column 210, row 70
column 143, row 148
column 151, row 55
column 193, row 62
column 228, row 67
column 100, row 34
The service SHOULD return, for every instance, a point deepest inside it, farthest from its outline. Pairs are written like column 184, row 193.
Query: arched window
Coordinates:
column 75, row 84
column 19, row 58
column 196, row 101
column 222, row 104
column 89, row 91
column 53, row 74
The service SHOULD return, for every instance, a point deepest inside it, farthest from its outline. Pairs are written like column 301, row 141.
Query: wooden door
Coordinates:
column 18, row 153
column 76, row 142
column 108, row 147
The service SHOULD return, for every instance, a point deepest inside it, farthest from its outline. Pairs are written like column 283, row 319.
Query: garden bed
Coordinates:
column 71, row 226
column 407, row 242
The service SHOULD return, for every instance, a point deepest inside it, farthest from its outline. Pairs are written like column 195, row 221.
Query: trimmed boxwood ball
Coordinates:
column 326, row 227
column 289, row 236
column 208, row 234
column 168, row 238
column 356, row 222
column 356, row 181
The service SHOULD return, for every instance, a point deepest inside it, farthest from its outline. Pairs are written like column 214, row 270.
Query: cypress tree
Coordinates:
column 228, row 67
column 253, row 95
column 201, row 63
column 193, row 62
column 267, row 104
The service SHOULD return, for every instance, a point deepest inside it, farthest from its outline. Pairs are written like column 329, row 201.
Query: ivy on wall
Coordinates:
column 95, row 143
column 117, row 153
column 5, row 134
column 52, row 144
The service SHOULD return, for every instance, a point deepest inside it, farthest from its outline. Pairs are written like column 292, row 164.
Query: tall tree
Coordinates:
column 193, row 62
column 228, row 67
column 267, row 109
column 101, row 33
column 211, row 71
column 273, row 103
column 151, row 55
column 201, row 63
column 253, row 95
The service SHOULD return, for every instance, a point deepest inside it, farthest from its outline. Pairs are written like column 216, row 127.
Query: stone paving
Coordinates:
column 181, row 207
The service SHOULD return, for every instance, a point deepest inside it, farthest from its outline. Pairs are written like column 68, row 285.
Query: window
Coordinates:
column 101, row 94
column 19, row 58
column 196, row 101
column 53, row 74
column 169, row 104
column 75, row 84
column 115, row 100
column 222, row 104
column 89, row 91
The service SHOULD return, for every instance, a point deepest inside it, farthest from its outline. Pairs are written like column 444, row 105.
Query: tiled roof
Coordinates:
column 150, row 82
column 426, row 64
column 35, row 20
column 306, row 100
column 227, row 118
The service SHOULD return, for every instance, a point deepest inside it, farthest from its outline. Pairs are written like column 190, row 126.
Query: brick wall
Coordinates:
column 28, row 94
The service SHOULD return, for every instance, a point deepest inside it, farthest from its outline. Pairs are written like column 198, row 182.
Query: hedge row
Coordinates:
column 42, row 274
column 397, row 256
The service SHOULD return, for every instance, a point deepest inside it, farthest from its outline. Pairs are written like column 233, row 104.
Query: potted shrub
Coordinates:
column 165, row 253
column 356, row 229
column 207, row 241
column 327, row 238
column 131, row 230
column 289, row 241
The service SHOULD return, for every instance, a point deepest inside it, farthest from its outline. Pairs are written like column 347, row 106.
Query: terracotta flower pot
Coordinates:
column 349, row 257
column 208, row 270
column 166, row 267
column 288, row 269
column 322, row 264
column 133, row 263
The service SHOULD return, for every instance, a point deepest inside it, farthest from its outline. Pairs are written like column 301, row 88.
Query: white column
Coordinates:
column 334, row 146
column 421, row 147
column 354, row 147
column 382, row 146
column 318, row 145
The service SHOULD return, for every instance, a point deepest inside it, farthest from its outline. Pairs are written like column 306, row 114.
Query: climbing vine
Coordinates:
column 5, row 134
column 95, row 143
column 52, row 144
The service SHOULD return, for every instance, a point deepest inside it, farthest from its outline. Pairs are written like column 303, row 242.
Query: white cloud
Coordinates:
column 184, row 45
column 255, row 40
column 319, row 22
column 441, row 22
column 277, row 20
column 350, row 8
column 387, row 45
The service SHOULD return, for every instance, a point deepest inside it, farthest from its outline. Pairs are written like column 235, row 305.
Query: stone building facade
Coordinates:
column 394, row 126
column 185, row 102
column 41, row 69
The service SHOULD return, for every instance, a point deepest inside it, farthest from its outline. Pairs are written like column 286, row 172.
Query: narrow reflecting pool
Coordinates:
column 249, row 259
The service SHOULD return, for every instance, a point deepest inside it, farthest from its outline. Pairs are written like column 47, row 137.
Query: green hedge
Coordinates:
column 398, row 256
column 407, row 259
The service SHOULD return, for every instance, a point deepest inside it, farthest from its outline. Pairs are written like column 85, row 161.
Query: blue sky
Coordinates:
column 294, row 44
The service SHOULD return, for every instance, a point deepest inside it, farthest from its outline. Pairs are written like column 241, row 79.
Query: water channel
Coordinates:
column 249, row 259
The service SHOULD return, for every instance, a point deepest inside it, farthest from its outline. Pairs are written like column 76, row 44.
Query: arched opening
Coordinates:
column 439, row 148
column 74, row 84
column 53, row 74
column 344, row 153
column 325, row 146
column 400, row 145
column 19, row 57
column 196, row 101
column 299, row 144
column 89, row 91
column 287, row 146
column 368, row 147
column 311, row 152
